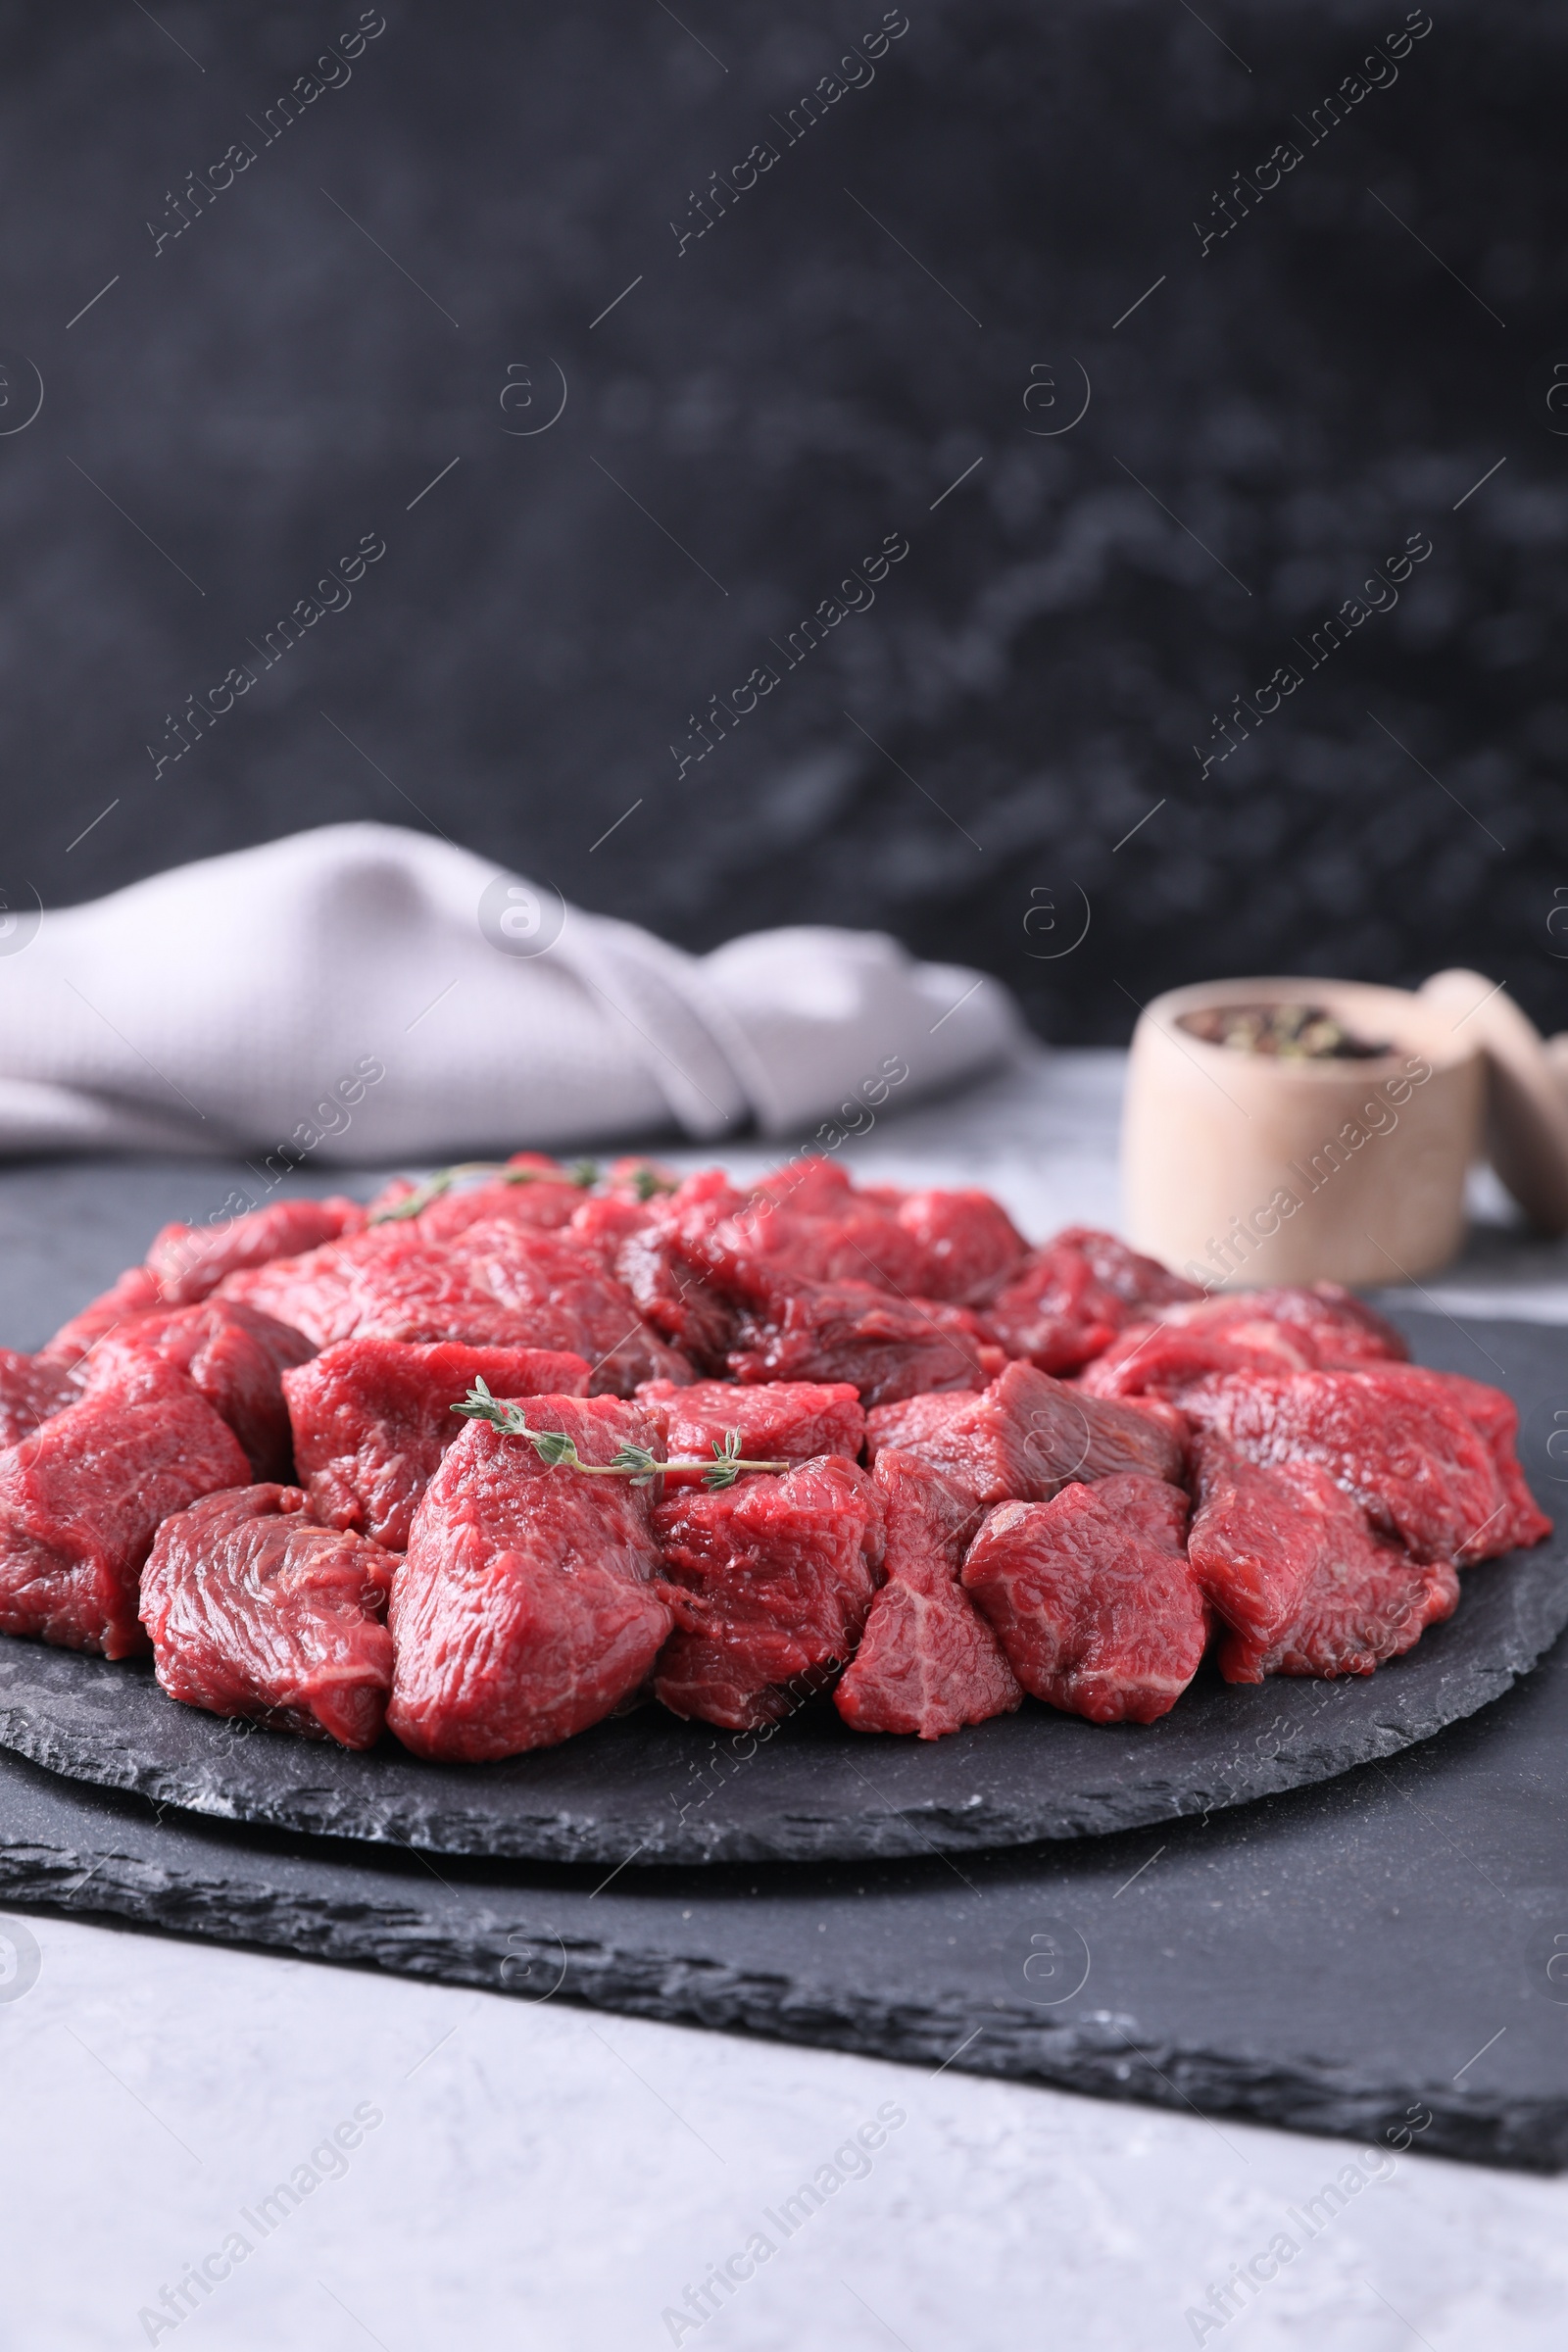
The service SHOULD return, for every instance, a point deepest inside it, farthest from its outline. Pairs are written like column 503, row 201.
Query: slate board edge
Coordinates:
column 1540, row 1615
column 1099, row 2054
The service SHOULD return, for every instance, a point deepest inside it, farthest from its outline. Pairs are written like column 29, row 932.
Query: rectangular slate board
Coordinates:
column 1330, row 1960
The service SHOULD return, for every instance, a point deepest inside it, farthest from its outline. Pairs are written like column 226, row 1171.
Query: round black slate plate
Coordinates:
column 647, row 1788
column 650, row 1790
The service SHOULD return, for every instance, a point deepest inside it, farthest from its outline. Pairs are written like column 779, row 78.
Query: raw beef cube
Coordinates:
column 1025, row 1437
column 665, row 1267
column 769, row 1580
column 887, row 1348
column 928, row 1661
column 603, row 1222
column 1160, row 1359
column 1496, row 1417
column 492, row 1285
column 523, row 1610
column 256, row 1611
column 319, row 1293
column 1333, row 1330
column 561, row 1290
column 779, row 1420
column 1092, row 1597
column 32, row 1388
column 132, row 1293
column 1067, row 1302
column 232, row 1354
column 81, row 1500
column 189, row 1261
column 1291, row 1566
column 1410, row 1458
column 1140, row 1283
column 544, row 1202
column 766, row 1248
column 371, row 1418
column 968, row 1244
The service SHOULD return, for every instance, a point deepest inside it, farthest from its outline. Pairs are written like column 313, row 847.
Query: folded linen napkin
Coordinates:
column 364, row 993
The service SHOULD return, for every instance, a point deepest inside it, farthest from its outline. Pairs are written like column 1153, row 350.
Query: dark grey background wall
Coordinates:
column 765, row 404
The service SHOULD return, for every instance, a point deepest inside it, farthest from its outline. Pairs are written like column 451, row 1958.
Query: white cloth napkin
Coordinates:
column 361, row 993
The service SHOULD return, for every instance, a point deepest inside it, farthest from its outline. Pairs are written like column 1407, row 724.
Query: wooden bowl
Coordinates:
column 1241, row 1169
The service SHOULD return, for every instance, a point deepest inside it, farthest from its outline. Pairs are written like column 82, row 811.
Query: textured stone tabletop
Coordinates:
column 465, row 2168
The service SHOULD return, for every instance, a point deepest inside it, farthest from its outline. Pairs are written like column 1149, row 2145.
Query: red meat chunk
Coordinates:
column 707, row 1254
column 1290, row 1563
column 603, row 1223
column 32, row 1388
column 665, row 1268
column 884, row 1347
column 1408, row 1456
column 81, row 1500
column 492, row 1286
column 546, row 1202
column 371, row 1419
column 389, row 1276
column 769, row 1580
column 928, row 1661
column 1024, row 1436
column 255, row 1611
column 1324, row 1329
column 1335, row 1331
column 233, row 1355
column 1092, row 1597
column 1496, row 1417
column 779, row 1420
column 132, row 1292
column 968, row 1244
column 523, row 1610
column 561, row 1290
column 189, row 1261
column 1067, row 1302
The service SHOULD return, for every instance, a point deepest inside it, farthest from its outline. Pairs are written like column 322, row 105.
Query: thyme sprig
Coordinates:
column 557, row 1451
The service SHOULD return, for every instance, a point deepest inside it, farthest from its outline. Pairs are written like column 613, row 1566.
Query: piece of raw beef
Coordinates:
column 492, row 1285
column 1336, row 1331
column 1065, row 1304
column 1158, row 1359
column 189, row 1261
column 545, row 1198
column 32, row 1388
column 1290, row 1563
column 1092, row 1599
column 928, row 1662
column 769, row 1580
column 232, row 1354
column 560, row 1288
column 255, row 1611
column 81, row 1500
column 779, row 1420
column 1494, row 1416
column 134, row 1293
column 1417, row 1466
column 371, row 1419
column 524, row 1612
column 1026, row 1436
column 884, row 1347
column 968, row 1244
column 665, row 1267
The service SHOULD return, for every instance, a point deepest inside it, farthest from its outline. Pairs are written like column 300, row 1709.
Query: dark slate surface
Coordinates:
column 1378, row 332
column 1351, row 1958
column 650, row 1790
column 1333, row 1960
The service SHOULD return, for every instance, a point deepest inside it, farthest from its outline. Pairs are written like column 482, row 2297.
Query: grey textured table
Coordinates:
column 1336, row 1957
